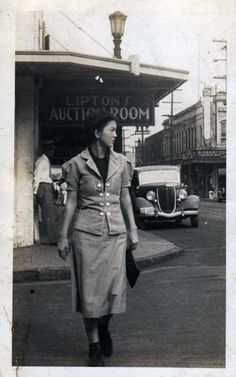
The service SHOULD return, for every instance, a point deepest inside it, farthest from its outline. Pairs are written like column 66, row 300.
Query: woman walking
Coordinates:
column 98, row 180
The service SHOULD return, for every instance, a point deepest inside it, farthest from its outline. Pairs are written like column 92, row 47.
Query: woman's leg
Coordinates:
column 105, row 336
column 95, row 356
column 91, row 327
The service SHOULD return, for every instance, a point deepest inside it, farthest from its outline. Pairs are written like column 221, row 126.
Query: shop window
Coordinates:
column 174, row 144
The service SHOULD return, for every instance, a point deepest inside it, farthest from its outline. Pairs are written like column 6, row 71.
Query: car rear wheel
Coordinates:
column 194, row 221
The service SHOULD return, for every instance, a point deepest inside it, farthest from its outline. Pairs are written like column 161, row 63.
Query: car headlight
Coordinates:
column 150, row 195
column 182, row 194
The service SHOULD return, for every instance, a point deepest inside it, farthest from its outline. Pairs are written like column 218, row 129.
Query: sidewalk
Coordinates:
column 41, row 262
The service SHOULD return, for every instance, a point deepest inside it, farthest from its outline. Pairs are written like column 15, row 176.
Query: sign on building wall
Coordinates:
column 205, row 154
column 73, row 107
column 209, row 153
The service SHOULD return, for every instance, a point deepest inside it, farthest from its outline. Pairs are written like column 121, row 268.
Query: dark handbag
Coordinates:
column 132, row 271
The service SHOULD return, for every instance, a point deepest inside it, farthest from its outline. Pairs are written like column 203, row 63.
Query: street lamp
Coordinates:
column 117, row 21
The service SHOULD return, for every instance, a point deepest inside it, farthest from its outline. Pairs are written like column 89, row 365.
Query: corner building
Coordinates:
column 195, row 140
column 55, row 93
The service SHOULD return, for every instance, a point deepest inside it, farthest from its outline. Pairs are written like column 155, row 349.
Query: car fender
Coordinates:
column 192, row 201
column 141, row 203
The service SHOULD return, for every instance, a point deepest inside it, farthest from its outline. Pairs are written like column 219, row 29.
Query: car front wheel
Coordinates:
column 194, row 221
column 178, row 221
column 141, row 224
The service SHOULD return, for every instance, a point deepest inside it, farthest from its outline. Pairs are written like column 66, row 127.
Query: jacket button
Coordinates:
column 107, row 194
column 100, row 194
column 99, row 185
column 101, row 204
column 107, row 184
column 108, row 204
column 108, row 213
column 101, row 214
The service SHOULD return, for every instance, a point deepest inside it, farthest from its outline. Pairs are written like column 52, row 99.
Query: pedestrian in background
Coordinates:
column 44, row 192
column 98, row 182
column 211, row 192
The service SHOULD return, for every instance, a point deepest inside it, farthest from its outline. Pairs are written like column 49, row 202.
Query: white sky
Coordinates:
column 172, row 33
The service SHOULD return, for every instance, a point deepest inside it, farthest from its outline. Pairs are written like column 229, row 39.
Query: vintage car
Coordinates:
column 157, row 194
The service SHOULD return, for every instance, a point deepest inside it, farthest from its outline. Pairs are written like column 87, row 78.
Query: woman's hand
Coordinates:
column 133, row 238
column 63, row 247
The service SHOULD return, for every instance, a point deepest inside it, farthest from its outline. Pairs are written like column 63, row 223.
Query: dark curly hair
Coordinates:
column 97, row 121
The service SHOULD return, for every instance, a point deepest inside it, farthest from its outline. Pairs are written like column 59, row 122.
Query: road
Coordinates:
column 204, row 245
column 175, row 315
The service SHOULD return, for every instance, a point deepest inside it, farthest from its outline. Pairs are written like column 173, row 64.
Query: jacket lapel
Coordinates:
column 90, row 163
column 113, row 164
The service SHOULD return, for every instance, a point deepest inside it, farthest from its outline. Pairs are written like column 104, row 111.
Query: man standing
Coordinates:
column 211, row 192
column 43, row 190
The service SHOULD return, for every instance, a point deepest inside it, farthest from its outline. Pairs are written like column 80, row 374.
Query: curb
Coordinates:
column 63, row 273
column 152, row 260
column 41, row 274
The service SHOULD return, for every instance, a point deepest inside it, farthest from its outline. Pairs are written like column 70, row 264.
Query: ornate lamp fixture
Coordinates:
column 117, row 21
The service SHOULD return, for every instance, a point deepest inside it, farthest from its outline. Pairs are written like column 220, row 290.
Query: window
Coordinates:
column 186, row 140
column 159, row 176
column 223, row 131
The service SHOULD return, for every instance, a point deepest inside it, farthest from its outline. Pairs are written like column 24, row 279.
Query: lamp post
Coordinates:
column 117, row 21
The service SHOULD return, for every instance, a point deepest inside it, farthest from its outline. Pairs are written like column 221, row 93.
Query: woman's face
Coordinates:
column 108, row 134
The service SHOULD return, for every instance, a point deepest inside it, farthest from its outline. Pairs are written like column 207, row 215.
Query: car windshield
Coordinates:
column 159, row 176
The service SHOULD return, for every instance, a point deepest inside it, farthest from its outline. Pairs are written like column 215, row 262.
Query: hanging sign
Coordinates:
column 73, row 107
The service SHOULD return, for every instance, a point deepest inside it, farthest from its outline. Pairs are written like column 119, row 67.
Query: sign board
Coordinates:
column 210, row 153
column 205, row 154
column 73, row 107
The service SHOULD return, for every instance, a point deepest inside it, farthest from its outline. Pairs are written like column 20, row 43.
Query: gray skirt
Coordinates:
column 98, row 273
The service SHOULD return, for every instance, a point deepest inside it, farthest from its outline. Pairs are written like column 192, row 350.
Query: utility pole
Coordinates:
column 216, row 115
column 142, row 130
column 171, row 126
column 223, row 77
column 172, row 102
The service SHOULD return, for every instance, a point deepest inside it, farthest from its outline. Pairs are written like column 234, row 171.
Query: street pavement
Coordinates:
column 175, row 314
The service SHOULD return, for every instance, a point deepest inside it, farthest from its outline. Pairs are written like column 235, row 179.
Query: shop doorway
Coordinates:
column 204, row 182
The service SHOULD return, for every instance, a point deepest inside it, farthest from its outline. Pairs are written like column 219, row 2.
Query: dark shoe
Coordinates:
column 95, row 356
column 105, row 340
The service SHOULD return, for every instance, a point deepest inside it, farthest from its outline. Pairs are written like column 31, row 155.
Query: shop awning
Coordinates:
column 115, row 73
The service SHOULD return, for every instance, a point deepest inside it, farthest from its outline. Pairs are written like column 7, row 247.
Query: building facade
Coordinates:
column 195, row 140
column 56, row 91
